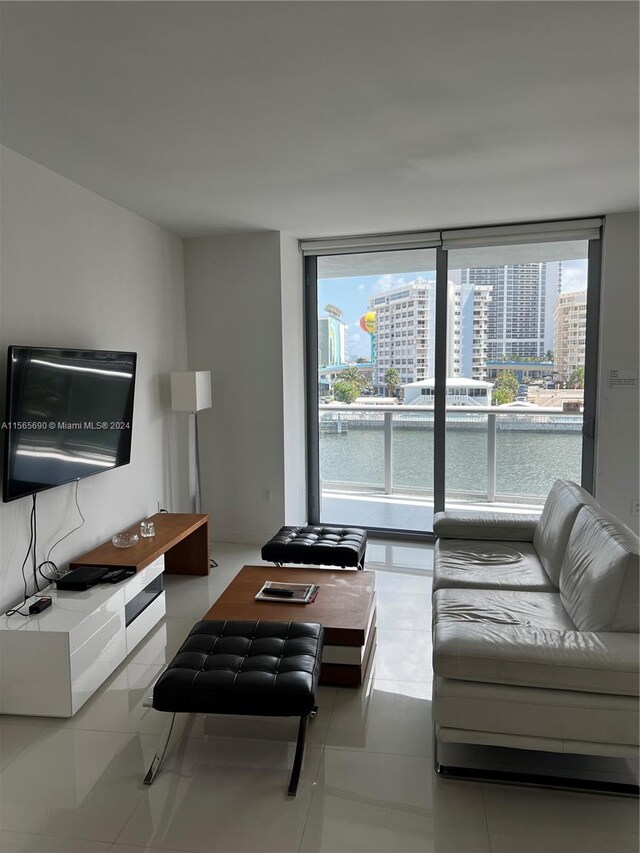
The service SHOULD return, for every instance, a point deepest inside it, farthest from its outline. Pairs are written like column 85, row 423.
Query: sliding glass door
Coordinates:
column 375, row 328
column 453, row 369
column 516, row 358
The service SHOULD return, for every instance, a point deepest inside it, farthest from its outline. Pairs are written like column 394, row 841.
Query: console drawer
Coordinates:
column 137, row 582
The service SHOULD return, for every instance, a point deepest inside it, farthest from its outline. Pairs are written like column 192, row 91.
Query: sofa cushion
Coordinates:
column 536, row 711
column 500, row 607
column 465, row 563
column 600, row 573
column 560, row 511
column 536, row 657
column 501, row 526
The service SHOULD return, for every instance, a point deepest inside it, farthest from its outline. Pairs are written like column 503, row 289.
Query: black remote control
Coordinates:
column 278, row 593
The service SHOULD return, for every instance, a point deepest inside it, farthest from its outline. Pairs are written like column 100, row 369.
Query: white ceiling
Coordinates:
column 325, row 118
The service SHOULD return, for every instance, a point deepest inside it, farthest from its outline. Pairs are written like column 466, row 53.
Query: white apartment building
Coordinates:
column 480, row 333
column 405, row 323
column 405, row 318
column 570, row 332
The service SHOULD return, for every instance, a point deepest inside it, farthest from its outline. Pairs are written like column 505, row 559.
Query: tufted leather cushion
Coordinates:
column 253, row 668
column 330, row 546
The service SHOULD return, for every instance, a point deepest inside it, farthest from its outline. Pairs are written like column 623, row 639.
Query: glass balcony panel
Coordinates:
column 466, row 455
column 539, row 449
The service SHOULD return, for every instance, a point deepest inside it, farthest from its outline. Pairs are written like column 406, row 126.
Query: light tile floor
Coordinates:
column 75, row 786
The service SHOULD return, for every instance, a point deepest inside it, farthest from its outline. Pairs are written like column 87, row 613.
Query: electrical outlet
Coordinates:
column 635, row 508
column 266, row 495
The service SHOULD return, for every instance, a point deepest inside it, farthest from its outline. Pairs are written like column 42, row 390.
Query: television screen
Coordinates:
column 69, row 415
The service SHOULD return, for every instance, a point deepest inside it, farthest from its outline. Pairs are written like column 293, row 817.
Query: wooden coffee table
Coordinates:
column 344, row 606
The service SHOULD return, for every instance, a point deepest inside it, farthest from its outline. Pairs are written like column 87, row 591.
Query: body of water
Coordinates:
column 527, row 463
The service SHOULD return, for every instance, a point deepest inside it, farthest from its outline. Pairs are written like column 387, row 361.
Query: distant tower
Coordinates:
column 331, row 338
column 368, row 325
column 571, row 332
column 517, row 311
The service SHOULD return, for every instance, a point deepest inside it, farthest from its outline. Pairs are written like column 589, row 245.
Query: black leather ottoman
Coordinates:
column 254, row 668
column 326, row 546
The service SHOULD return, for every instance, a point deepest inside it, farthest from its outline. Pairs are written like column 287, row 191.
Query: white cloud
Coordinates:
column 355, row 337
column 387, row 281
column 361, row 288
column 574, row 275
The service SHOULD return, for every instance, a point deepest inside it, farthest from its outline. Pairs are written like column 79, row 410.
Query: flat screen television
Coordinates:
column 69, row 415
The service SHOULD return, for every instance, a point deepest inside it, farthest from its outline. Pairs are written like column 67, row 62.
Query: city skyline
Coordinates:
column 352, row 293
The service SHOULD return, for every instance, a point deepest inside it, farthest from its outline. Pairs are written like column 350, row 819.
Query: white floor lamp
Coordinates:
column 191, row 392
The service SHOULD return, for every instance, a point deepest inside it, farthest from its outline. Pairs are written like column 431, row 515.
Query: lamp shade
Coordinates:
column 191, row 391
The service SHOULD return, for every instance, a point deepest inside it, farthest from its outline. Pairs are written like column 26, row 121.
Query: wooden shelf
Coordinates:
column 182, row 538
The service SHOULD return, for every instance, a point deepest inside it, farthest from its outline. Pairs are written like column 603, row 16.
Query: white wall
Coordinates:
column 617, row 465
column 234, row 321
column 77, row 270
column 293, row 364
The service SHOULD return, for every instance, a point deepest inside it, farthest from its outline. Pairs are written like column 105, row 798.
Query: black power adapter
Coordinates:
column 40, row 605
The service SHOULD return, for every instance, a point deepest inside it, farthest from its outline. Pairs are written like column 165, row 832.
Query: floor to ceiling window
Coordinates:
column 449, row 369
column 375, row 352
column 516, row 333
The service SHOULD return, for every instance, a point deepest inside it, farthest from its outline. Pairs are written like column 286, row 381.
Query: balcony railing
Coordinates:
column 524, row 449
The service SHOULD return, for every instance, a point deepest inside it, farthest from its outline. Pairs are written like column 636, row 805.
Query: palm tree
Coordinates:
column 576, row 380
column 355, row 377
column 392, row 380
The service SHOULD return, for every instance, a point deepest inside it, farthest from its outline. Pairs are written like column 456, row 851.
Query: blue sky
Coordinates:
column 351, row 294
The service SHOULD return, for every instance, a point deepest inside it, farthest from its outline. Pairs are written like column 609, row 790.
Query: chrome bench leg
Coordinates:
column 297, row 761
column 160, row 752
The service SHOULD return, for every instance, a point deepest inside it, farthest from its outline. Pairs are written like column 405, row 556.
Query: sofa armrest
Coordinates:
column 537, row 657
column 503, row 527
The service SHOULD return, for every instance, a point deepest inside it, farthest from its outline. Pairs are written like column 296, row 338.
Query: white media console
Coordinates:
column 52, row 662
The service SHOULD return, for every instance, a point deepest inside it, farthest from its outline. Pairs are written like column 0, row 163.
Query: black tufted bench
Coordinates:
column 326, row 546
column 268, row 669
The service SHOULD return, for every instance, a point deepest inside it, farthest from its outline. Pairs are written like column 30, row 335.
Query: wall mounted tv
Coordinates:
column 69, row 415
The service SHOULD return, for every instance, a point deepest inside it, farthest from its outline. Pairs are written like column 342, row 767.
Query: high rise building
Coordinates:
column 331, row 339
column 468, row 321
column 516, row 313
column 404, row 331
column 554, row 289
column 480, row 332
column 570, row 333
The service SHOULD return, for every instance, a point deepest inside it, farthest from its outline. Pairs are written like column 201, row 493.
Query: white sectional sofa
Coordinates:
column 536, row 629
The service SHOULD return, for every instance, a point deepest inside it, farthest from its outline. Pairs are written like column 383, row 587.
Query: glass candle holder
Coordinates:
column 147, row 529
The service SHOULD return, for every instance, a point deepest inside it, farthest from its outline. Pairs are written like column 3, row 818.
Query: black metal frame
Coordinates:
column 440, row 376
column 311, row 384
column 439, row 431
column 297, row 761
column 594, row 272
column 158, row 758
column 531, row 780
